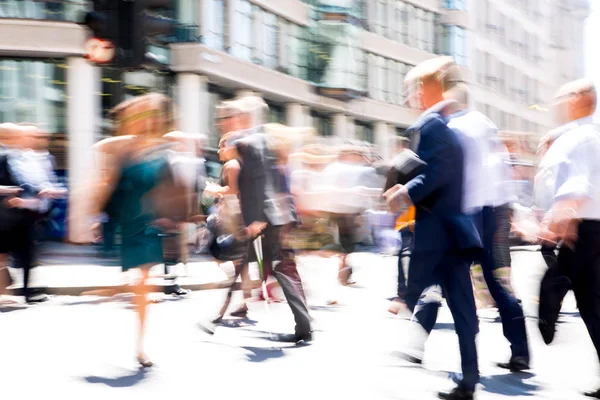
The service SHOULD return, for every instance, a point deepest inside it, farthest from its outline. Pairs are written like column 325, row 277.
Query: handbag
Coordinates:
column 227, row 241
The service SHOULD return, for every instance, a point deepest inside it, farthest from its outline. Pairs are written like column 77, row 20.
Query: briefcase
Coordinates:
column 405, row 166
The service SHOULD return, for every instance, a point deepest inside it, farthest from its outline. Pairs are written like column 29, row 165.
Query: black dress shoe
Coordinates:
column 516, row 364
column 37, row 298
column 294, row 338
column 547, row 330
column 457, row 394
column 241, row 311
column 595, row 394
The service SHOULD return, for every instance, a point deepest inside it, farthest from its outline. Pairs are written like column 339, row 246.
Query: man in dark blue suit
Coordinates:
column 445, row 239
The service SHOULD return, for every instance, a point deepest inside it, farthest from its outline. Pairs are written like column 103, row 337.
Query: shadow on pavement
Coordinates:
column 128, row 380
column 237, row 323
column 333, row 307
column 13, row 307
column 260, row 354
column 510, row 384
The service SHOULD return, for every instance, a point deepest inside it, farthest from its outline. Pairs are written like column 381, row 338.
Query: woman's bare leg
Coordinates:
column 141, row 305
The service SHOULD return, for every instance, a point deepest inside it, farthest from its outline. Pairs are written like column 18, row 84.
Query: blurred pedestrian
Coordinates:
column 8, row 189
column 23, row 168
column 570, row 175
column 486, row 198
column 446, row 239
column 134, row 184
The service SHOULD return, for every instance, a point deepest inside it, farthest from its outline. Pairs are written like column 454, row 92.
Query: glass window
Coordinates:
column 381, row 78
column 390, row 14
column 34, row 91
column 454, row 43
column 372, row 75
column 422, row 29
column 402, row 71
column 389, row 80
column 243, row 44
column 402, row 22
column 186, row 11
column 455, row 4
column 393, row 81
column 380, row 17
column 364, row 131
column 296, row 50
column 214, row 19
column 269, row 40
column 51, row 10
column 413, row 26
column 323, row 124
column 276, row 114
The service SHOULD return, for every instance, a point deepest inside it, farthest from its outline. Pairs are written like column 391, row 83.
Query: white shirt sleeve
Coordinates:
column 576, row 174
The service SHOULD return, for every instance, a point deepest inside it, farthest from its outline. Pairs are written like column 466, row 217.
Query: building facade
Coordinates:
column 337, row 65
column 521, row 52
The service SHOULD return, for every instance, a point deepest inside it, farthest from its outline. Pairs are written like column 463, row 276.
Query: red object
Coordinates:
column 99, row 51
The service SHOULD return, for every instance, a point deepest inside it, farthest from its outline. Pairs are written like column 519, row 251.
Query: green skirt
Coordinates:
column 140, row 249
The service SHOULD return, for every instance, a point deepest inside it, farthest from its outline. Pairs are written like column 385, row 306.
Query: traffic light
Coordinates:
column 102, row 19
column 142, row 23
column 131, row 26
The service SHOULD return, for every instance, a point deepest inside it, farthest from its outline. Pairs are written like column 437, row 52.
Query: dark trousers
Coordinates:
column 23, row 251
column 579, row 270
column 407, row 238
column 286, row 273
column 511, row 313
column 433, row 274
column 109, row 233
column 554, row 287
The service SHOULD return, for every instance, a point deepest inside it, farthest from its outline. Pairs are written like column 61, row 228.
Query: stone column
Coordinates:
column 384, row 140
column 296, row 115
column 343, row 127
column 192, row 97
column 83, row 111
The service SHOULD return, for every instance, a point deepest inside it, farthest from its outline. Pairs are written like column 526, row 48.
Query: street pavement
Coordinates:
column 77, row 347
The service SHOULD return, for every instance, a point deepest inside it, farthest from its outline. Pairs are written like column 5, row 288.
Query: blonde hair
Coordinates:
column 254, row 106
column 443, row 70
column 284, row 137
column 154, row 109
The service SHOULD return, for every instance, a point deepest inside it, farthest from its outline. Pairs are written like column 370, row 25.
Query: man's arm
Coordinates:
column 577, row 183
column 435, row 148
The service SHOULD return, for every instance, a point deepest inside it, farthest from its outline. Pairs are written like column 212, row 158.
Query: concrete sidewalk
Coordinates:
column 78, row 278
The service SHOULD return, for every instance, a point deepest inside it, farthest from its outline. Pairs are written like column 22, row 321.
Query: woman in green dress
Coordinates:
column 129, row 189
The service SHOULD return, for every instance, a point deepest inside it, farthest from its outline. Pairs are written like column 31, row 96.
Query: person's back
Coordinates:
column 252, row 178
column 475, row 131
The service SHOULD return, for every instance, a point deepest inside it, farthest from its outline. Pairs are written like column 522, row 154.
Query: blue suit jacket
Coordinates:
column 437, row 192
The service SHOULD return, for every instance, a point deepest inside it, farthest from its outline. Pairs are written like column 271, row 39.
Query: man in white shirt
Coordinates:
column 570, row 175
column 485, row 198
column 344, row 185
column 24, row 168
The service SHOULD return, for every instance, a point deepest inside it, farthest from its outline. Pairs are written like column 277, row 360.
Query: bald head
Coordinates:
column 9, row 134
column 575, row 100
column 242, row 113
